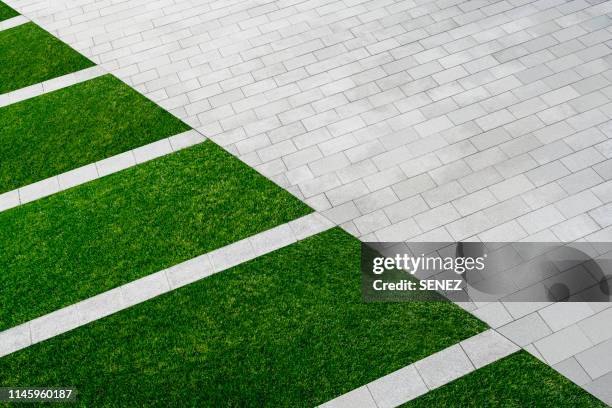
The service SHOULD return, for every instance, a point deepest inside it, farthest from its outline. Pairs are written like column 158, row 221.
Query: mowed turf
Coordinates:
column 78, row 243
column 288, row 329
column 29, row 55
column 56, row 132
column 519, row 380
column 6, row 12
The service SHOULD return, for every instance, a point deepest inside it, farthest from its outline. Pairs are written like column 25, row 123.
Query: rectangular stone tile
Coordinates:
column 563, row 314
column 444, row 366
column 563, row 344
column 9, row 199
column 526, row 330
column 598, row 327
column 436, row 217
column 601, row 388
column 542, row 218
column 597, row 360
column 578, row 204
column 468, row 226
column 54, row 323
column 359, row 397
column 575, row 228
column 487, row 347
column 38, row 190
column 580, row 180
column 443, row 194
column 400, row 231
column 511, row 187
column 15, row 338
column 494, row 314
column 572, row 370
column 398, row 387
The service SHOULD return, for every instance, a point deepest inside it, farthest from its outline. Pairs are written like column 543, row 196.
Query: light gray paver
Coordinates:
column 398, row 387
column 487, row 347
column 358, row 398
column 597, row 360
column 444, row 366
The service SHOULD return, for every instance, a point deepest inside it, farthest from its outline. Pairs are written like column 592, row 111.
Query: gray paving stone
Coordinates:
column 15, row 338
column 9, row 200
column 526, row 330
column 38, row 190
column 563, row 314
column 575, row 228
column 563, row 344
column 597, row 360
column 100, row 305
column 571, row 369
column 578, row 204
column 437, row 217
column 542, row 218
column 487, row 347
column 494, row 314
column 54, row 323
column 358, row 398
column 145, row 288
column 115, row 163
column 601, row 388
column 398, row 387
column 444, row 366
column 511, row 187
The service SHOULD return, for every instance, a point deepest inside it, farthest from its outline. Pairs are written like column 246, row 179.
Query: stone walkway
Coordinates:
column 398, row 119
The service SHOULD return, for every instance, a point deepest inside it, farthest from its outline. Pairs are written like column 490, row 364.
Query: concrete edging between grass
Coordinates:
column 427, row 374
column 13, row 22
column 50, row 85
column 99, row 169
column 167, row 280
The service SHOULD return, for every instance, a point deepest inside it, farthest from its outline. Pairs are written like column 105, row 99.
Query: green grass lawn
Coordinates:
column 56, row 132
column 6, row 12
column 286, row 329
column 29, row 55
column 83, row 241
column 519, row 380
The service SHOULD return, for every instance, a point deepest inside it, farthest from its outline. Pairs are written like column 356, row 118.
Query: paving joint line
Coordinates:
column 51, row 85
column 99, row 169
column 161, row 282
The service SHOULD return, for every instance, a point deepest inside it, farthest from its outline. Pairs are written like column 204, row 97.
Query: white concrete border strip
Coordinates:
column 99, row 169
column 13, row 22
column 51, row 85
column 427, row 374
column 167, row 280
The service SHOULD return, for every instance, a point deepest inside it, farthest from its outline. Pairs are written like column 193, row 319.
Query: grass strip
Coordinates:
column 286, row 329
column 29, row 55
column 62, row 130
column 6, row 12
column 86, row 240
column 519, row 380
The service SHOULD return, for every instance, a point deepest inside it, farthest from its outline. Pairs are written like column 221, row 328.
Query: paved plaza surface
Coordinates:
column 397, row 119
